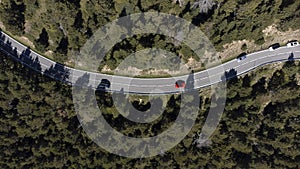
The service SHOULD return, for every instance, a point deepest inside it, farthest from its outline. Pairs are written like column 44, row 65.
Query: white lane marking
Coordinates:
column 94, row 73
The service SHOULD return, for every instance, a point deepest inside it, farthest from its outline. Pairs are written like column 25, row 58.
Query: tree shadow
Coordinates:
column 190, row 82
column 2, row 37
column 32, row 60
column 58, row 72
column 202, row 17
column 291, row 57
column 259, row 87
column 5, row 45
column 25, row 57
column 82, row 80
column 186, row 9
column 230, row 75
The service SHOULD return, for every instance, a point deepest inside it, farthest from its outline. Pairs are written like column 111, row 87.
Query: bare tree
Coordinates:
column 202, row 141
column 181, row 2
column 204, row 5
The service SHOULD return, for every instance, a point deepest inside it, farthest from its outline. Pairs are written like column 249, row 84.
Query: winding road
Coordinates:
column 204, row 78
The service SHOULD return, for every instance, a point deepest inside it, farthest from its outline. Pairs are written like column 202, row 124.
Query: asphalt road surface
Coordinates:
column 200, row 79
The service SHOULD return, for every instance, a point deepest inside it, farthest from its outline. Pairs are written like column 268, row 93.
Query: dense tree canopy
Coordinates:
column 39, row 127
column 259, row 127
column 221, row 20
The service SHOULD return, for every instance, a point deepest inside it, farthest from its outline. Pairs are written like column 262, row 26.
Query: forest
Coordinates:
column 39, row 127
column 258, row 129
column 59, row 28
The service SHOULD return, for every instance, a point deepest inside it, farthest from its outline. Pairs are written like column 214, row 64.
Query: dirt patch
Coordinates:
column 161, row 72
column 276, row 66
column 49, row 53
column 193, row 63
column 2, row 25
column 106, row 69
column 298, row 78
column 133, row 71
column 70, row 62
column 26, row 41
column 27, row 26
column 235, row 48
column 271, row 35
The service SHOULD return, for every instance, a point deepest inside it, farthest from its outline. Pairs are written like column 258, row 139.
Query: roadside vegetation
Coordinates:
column 60, row 28
column 38, row 124
column 259, row 127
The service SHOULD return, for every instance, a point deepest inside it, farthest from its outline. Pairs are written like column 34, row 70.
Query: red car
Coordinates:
column 179, row 84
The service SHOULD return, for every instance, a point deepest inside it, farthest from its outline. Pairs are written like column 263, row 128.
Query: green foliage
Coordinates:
column 43, row 41
column 38, row 123
column 78, row 20
column 12, row 15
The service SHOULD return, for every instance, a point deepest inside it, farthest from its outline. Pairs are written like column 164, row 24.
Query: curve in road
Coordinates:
column 204, row 78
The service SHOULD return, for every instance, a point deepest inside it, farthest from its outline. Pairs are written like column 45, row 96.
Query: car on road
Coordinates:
column 292, row 43
column 104, row 84
column 241, row 57
column 179, row 84
column 274, row 46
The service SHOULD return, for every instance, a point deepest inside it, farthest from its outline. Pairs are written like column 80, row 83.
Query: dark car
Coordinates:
column 104, row 84
column 180, row 84
column 274, row 46
column 241, row 56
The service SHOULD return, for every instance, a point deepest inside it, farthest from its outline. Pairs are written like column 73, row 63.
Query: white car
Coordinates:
column 292, row 43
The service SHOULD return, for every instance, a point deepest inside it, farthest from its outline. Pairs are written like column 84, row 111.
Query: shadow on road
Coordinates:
column 82, row 80
column 231, row 74
column 58, row 72
column 189, row 85
column 26, row 57
column 291, row 57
